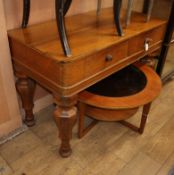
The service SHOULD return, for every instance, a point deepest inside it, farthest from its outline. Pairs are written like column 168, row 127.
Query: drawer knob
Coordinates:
column 146, row 43
column 109, row 57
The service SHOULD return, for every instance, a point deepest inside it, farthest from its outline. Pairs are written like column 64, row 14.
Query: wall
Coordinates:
column 10, row 118
column 43, row 10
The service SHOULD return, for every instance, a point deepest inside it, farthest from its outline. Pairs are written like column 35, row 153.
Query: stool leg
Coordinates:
column 146, row 109
column 129, row 125
column 81, row 109
column 82, row 131
column 140, row 129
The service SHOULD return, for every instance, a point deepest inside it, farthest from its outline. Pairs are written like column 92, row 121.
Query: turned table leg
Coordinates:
column 65, row 117
column 26, row 88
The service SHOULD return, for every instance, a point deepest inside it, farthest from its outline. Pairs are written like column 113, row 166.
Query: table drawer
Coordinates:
column 105, row 58
column 94, row 64
column 91, row 66
column 152, row 38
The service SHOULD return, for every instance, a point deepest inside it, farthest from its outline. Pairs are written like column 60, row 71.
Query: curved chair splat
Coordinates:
column 149, row 12
column 99, row 3
column 26, row 13
column 67, row 5
column 128, row 13
column 61, row 26
column 117, row 11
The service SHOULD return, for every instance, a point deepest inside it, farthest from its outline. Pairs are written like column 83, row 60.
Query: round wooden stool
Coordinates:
column 119, row 96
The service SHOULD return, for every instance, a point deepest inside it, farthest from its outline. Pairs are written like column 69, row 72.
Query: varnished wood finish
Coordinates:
column 82, row 130
column 26, row 89
column 61, row 8
column 104, row 108
column 140, row 129
column 65, row 117
column 145, row 113
column 109, row 114
column 149, row 93
column 90, row 42
column 37, row 52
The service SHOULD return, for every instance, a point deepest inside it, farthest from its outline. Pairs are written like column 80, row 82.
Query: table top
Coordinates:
column 87, row 34
column 37, row 52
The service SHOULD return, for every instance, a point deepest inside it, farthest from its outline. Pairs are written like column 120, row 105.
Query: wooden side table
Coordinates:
column 97, row 53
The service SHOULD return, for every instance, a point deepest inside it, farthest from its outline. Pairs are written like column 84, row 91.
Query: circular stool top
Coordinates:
column 134, row 86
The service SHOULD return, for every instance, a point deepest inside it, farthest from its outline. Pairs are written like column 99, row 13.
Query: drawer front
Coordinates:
column 89, row 66
column 86, row 68
column 105, row 58
column 150, row 39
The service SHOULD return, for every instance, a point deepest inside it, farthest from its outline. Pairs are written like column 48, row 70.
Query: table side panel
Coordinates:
column 46, row 71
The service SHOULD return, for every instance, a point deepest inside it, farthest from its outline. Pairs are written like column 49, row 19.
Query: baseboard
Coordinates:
column 13, row 134
column 42, row 103
column 38, row 105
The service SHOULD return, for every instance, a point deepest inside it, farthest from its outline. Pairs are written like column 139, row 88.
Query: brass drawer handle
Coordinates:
column 146, row 43
column 108, row 57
